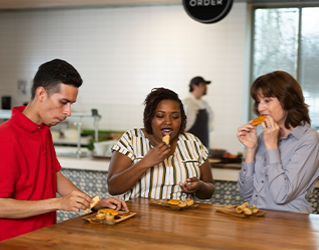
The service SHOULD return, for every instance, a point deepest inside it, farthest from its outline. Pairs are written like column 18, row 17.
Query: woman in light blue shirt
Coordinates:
column 281, row 165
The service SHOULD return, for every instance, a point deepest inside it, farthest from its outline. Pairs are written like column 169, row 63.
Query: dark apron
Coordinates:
column 200, row 127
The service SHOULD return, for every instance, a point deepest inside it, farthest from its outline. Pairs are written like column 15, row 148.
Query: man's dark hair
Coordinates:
column 153, row 99
column 52, row 74
column 287, row 90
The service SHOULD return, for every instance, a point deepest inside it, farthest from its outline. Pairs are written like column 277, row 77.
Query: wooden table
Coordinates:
column 160, row 228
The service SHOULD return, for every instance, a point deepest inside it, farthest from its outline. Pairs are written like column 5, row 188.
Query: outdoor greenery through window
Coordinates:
column 288, row 39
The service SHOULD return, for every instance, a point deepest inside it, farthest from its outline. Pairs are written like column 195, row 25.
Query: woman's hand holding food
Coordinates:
column 271, row 133
column 191, row 185
column 157, row 154
column 247, row 135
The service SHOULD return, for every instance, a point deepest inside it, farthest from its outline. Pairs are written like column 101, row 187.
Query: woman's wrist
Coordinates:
column 271, row 146
column 144, row 164
column 251, row 150
column 250, row 155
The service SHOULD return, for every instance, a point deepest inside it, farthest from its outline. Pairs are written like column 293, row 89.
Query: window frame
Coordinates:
column 271, row 5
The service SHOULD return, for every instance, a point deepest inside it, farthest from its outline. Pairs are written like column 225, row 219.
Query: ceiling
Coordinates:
column 35, row 4
column 31, row 4
column 27, row 4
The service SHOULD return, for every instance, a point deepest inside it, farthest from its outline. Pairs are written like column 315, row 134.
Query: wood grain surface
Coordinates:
column 159, row 228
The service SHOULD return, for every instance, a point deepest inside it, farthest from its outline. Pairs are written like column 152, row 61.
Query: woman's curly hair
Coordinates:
column 287, row 90
column 153, row 99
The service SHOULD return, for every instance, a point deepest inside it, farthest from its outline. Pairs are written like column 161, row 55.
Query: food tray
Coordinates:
column 163, row 203
column 122, row 216
column 231, row 210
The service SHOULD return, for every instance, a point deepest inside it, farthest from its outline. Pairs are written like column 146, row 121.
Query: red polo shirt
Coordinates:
column 28, row 167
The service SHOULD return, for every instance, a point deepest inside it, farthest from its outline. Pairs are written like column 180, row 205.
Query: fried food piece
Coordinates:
column 96, row 200
column 255, row 209
column 182, row 204
column 109, row 211
column 189, row 202
column 174, row 202
column 241, row 208
column 244, row 208
column 166, row 139
column 246, row 204
column 247, row 211
column 109, row 217
column 233, row 156
column 100, row 215
column 258, row 120
column 123, row 213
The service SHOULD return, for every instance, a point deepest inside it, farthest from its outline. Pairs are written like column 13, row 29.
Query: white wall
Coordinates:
column 122, row 53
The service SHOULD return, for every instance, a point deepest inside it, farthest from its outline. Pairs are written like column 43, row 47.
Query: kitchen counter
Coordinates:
column 84, row 163
column 160, row 228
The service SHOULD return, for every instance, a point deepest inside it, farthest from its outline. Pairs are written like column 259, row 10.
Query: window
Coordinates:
column 288, row 39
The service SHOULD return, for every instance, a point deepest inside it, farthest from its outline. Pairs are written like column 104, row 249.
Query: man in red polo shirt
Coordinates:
column 30, row 173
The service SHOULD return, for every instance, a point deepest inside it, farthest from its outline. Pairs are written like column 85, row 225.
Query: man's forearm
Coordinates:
column 64, row 185
column 18, row 209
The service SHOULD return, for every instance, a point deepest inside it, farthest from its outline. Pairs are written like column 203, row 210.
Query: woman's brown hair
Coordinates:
column 153, row 99
column 287, row 90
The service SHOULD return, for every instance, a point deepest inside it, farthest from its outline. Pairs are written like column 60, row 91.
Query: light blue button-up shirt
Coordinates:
column 282, row 179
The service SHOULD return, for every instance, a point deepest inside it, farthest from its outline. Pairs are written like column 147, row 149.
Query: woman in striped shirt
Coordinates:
column 142, row 165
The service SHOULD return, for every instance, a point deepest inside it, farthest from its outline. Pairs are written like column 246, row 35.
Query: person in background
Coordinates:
column 30, row 172
column 198, row 112
column 281, row 165
column 142, row 165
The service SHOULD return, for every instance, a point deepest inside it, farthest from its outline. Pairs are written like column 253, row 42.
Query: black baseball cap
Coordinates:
column 197, row 80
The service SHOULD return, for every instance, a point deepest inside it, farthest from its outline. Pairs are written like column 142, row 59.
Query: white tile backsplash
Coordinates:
column 122, row 53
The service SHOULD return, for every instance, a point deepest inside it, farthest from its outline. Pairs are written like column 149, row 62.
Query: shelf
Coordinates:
column 73, row 142
column 5, row 114
column 71, row 151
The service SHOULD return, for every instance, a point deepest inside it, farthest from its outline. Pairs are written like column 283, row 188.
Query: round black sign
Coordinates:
column 207, row 11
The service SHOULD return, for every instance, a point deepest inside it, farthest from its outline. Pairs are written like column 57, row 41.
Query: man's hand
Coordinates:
column 75, row 201
column 112, row 203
